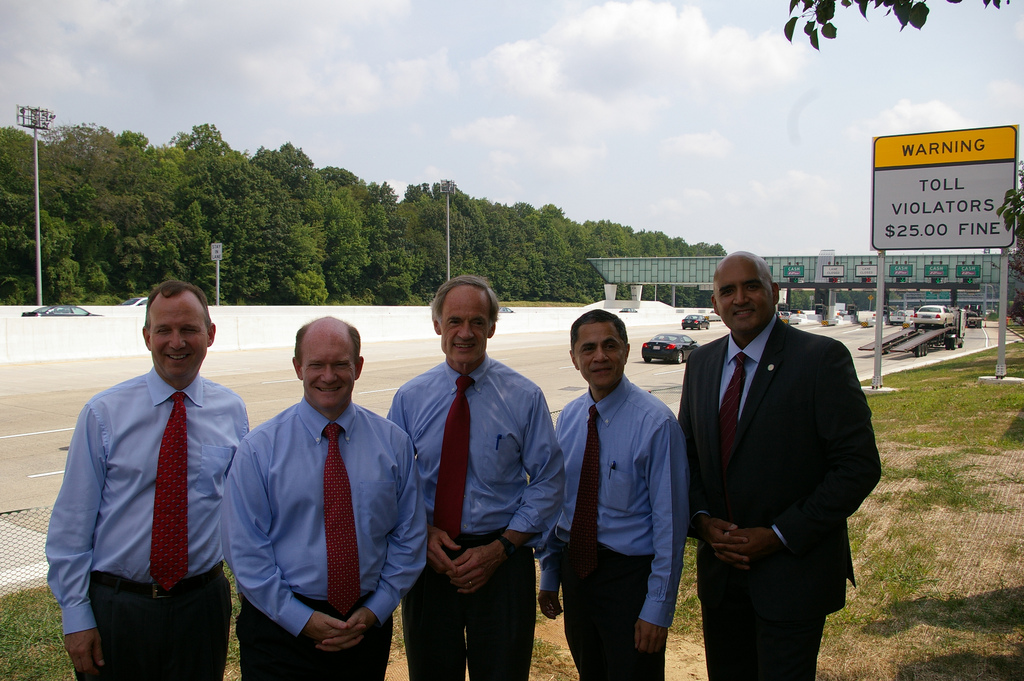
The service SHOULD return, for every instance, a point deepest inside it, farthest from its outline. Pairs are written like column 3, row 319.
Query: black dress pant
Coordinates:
column 182, row 637
column 600, row 615
column 742, row 646
column 269, row 653
column 491, row 630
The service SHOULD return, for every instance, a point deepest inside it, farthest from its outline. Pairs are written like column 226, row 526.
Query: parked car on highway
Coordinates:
column 628, row 309
column 59, row 311
column 796, row 318
column 974, row 319
column 139, row 301
column 932, row 315
column 696, row 321
column 669, row 347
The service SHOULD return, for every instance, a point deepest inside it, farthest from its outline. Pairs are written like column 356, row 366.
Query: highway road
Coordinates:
column 39, row 403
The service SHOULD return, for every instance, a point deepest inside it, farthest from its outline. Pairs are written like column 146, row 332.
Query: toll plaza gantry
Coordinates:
column 958, row 278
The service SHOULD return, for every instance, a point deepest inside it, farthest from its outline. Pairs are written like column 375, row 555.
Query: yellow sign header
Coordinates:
column 947, row 148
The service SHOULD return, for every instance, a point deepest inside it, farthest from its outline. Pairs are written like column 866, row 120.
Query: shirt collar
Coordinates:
column 609, row 406
column 315, row 422
column 160, row 391
column 755, row 348
column 478, row 374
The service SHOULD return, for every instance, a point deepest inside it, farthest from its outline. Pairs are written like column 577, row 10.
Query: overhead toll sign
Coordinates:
column 942, row 189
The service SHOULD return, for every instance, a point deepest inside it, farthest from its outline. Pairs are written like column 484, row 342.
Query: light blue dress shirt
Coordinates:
column 642, row 499
column 514, row 478
column 274, row 538
column 103, row 517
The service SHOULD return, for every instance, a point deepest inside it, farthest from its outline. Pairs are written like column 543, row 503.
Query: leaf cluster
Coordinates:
column 818, row 15
column 120, row 214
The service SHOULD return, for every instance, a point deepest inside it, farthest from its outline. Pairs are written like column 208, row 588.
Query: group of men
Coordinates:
column 329, row 516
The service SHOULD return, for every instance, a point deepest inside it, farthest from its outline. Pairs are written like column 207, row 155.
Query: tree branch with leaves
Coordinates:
column 818, row 15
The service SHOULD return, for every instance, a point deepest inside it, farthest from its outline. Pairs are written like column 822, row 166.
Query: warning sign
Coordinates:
column 942, row 189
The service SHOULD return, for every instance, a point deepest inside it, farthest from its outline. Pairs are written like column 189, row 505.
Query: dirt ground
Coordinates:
column 684, row 661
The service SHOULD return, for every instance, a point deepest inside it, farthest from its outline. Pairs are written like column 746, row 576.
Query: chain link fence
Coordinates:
column 22, row 545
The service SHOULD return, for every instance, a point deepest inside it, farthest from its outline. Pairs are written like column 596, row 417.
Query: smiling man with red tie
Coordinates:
column 134, row 549
column 323, row 524
column 492, row 482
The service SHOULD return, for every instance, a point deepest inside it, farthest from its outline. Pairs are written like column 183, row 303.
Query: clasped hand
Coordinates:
column 734, row 545
column 471, row 569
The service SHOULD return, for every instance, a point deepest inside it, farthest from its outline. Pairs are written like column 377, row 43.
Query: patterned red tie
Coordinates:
column 728, row 415
column 451, row 476
column 168, row 552
column 583, row 535
column 340, row 528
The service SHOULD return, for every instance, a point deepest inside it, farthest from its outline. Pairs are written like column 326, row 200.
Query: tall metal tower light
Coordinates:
column 37, row 119
column 448, row 188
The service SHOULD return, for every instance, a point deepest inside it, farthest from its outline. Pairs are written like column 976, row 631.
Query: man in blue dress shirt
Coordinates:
column 118, row 623
column 474, row 603
column 274, row 534
column 617, row 615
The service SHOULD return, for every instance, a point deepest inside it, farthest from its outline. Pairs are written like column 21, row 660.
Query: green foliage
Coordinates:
column 818, row 14
column 120, row 215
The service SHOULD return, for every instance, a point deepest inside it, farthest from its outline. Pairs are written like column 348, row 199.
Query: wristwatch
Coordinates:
column 510, row 548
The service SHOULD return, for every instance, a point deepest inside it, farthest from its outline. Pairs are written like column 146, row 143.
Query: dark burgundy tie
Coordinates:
column 583, row 535
column 340, row 528
column 729, row 411
column 168, row 551
column 451, row 476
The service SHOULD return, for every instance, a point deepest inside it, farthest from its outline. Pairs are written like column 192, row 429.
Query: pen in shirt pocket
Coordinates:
column 497, row 442
column 611, row 468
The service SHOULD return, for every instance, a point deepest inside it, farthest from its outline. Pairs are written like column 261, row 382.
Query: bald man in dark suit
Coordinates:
column 774, row 555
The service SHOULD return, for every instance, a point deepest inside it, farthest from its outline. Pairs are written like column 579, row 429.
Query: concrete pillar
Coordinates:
column 610, row 291
column 635, row 290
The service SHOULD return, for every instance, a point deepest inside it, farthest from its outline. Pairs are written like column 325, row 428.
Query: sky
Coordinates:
column 696, row 119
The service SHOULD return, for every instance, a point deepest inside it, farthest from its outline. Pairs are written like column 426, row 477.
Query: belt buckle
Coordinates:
column 160, row 592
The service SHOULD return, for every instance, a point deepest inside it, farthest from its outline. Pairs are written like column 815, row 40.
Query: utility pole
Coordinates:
column 37, row 119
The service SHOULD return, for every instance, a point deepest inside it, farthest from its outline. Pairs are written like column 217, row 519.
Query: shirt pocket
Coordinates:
column 211, row 471
column 616, row 489
column 377, row 508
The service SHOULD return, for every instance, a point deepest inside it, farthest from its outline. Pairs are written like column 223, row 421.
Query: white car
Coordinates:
column 932, row 315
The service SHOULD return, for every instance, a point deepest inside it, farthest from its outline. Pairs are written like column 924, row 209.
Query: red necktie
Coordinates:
column 340, row 528
column 583, row 535
column 168, row 551
column 728, row 414
column 451, row 476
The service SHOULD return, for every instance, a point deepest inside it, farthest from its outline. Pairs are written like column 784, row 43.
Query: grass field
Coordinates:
column 938, row 547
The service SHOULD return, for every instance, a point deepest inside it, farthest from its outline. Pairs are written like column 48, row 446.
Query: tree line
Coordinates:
column 120, row 214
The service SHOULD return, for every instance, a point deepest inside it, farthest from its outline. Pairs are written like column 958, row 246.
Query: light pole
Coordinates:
column 448, row 188
column 37, row 119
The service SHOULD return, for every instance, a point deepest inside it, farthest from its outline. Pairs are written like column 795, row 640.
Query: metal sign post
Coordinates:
column 216, row 253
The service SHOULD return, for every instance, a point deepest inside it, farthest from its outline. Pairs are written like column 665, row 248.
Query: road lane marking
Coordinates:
column 41, row 432
column 43, row 475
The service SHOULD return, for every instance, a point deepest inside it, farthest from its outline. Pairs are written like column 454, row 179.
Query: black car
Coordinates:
column 696, row 321
column 669, row 347
column 59, row 311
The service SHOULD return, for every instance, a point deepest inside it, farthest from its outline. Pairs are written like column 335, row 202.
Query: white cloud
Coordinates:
column 1008, row 94
column 185, row 48
column 1018, row 29
column 705, row 144
column 907, row 117
column 618, row 65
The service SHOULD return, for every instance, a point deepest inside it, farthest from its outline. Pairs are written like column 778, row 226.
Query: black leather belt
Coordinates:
column 155, row 590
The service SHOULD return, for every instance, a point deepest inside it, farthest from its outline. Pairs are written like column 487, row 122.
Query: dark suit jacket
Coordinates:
column 803, row 460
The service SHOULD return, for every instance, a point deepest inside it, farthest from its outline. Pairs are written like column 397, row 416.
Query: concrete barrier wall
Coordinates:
column 118, row 332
